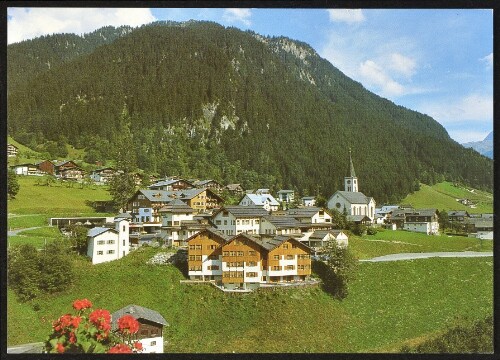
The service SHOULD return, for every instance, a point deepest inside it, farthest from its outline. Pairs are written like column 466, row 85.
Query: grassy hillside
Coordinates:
column 388, row 304
column 444, row 195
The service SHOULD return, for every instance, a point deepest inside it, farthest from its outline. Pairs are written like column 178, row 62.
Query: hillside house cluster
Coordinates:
column 244, row 261
column 67, row 169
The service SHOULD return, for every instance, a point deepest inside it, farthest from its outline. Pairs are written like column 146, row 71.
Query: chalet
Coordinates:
column 151, row 325
column 178, row 222
column 279, row 225
column 351, row 201
column 12, row 150
column 320, row 238
column 209, row 184
column 47, row 166
column 171, row 184
column 458, row 215
column 144, row 205
column 422, row 220
column 397, row 217
column 265, row 201
column 103, row 175
column 68, row 170
column 483, row 228
column 27, row 170
column 199, row 199
column 359, row 219
column 246, row 262
column 105, row 244
column 286, row 196
column 233, row 220
column 308, row 201
column 234, row 189
column 310, row 214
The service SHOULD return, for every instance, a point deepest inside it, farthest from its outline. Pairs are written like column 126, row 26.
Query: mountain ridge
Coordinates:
column 195, row 94
column 484, row 147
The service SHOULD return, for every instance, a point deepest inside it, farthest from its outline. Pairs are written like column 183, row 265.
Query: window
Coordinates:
column 101, row 242
column 256, row 221
column 198, row 247
column 251, row 263
column 145, row 332
column 146, row 210
column 276, row 268
column 225, row 253
column 140, row 197
column 225, row 213
column 285, row 246
column 237, row 222
column 232, row 253
column 211, row 247
column 111, row 241
column 176, row 223
column 276, row 257
column 213, row 267
column 153, row 343
column 251, row 253
column 191, row 247
column 300, row 267
column 251, row 274
column 191, row 257
column 225, row 222
column 110, row 252
column 198, row 257
column 289, row 257
column 225, row 274
column 239, row 253
column 123, row 242
column 218, row 222
column 99, row 252
column 290, row 267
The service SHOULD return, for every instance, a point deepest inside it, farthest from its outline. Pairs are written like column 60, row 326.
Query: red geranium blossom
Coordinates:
column 120, row 349
column 138, row 345
column 82, row 304
column 65, row 322
column 60, row 348
column 100, row 318
column 127, row 324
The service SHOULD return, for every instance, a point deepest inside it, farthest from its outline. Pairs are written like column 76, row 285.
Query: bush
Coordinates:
column 460, row 338
column 371, row 230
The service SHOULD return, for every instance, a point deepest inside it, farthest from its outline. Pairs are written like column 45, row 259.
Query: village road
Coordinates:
column 15, row 232
column 413, row 256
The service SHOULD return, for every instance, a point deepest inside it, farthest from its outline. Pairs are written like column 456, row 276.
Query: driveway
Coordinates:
column 413, row 256
column 15, row 232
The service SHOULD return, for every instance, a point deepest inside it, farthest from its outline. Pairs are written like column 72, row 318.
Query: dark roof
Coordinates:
column 458, row 213
column 307, row 211
column 244, row 211
column 123, row 216
column 213, row 231
column 354, row 197
column 98, row 231
column 177, row 206
column 283, row 221
column 357, row 218
column 156, row 195
column 422, row 212
column 138, row 312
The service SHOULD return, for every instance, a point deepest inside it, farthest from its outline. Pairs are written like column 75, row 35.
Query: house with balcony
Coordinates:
column 12, row 150
column 171, row 184
column 233, row 220
column 422, row 220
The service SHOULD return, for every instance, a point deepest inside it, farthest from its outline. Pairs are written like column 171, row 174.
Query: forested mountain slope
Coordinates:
column 201, row 100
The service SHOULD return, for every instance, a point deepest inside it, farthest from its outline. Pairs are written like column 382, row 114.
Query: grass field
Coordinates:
column 54, row 200
column 443, row 196
column 387, row 242
column 389, row 304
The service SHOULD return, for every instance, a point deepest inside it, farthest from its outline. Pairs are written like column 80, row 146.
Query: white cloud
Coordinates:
column 374, row 75
column 350, row 16
column 472, row 108
column 28, row 23
column 402, row 64
column 238, row 15
column 488, row 59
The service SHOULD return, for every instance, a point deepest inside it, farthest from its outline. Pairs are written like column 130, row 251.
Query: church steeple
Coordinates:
column 351, row 181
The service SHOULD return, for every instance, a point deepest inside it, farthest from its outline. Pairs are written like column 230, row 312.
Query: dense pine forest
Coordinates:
column 197, row 99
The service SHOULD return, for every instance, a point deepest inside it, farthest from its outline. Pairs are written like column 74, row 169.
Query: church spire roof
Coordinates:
column 351, row 166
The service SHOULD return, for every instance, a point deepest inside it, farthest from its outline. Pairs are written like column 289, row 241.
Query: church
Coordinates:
column 351, row 200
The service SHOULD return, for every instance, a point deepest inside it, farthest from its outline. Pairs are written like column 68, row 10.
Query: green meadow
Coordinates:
column 443, row 196
column 389, row 305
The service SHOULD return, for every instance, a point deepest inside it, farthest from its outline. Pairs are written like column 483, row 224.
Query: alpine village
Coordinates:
column 187, row 187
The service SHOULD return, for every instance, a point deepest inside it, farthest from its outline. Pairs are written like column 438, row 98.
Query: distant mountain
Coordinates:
column 484, row 147
column 199, row 100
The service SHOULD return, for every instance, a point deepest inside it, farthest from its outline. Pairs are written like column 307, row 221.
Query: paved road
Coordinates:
column 15, row 232
column 34, row 348
column 412, row 256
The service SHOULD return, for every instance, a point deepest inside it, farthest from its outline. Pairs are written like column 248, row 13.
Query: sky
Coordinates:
column 436, row 61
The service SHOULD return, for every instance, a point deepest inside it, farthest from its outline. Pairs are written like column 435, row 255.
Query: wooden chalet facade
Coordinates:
column 245, row 262
column 12, row 150
column 47, row 166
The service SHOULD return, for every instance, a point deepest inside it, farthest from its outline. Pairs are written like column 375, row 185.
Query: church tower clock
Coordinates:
column 351, row 181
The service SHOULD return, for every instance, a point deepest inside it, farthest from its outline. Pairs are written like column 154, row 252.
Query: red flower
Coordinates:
column 101, row 318
column 72, row 338
column 63, row 322
column 60, row 348
column 75, row 321
column 82, row 304
column 138, row 345
column 127, row 324
column 120, row 349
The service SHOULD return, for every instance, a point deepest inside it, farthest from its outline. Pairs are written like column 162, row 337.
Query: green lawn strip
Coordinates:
column 37, row 241
column 388, row 303
column 54, row 199
column 407, row 299
column 443, row 196
column 26, row 221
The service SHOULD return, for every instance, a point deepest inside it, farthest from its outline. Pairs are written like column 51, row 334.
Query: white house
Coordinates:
column 264, row 200
column 286, row 196
column 484, row 228
column 320, row 238
column 279, row 225
column 308, row 201
column 424, row 220
column 178, row 222
column 310, row 214
column 233, row 220
column 151, row 325
column 351, row 200
column 27, row 169
column 105, row 244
